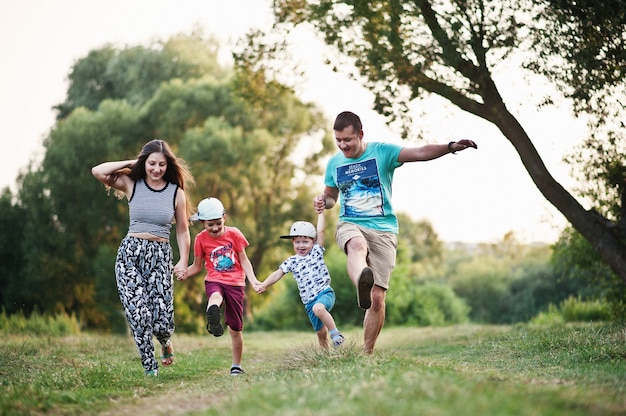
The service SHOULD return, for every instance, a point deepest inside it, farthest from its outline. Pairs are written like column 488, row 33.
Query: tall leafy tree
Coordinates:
column 66, row 218
column 582, row 48
column 12, row 219
column 135, row 73
column 583, row 51
column 419, row 241
column 403, row 50
column 118, row 99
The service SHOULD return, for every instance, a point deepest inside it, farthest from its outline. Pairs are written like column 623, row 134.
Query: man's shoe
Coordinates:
column 364, row 288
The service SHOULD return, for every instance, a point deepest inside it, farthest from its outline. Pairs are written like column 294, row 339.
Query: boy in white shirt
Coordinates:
column 313, row 279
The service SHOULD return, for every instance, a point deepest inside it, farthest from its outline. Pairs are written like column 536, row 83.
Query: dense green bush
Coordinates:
column 424, row 304
column 482, row 281
column 509, row 282
column 574, row 259
column 38, row 324
column 574, row 309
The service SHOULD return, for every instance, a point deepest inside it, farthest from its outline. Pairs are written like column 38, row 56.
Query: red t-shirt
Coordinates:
column 221, row 256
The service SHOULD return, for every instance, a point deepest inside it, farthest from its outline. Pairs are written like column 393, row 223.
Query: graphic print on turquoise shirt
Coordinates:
column 359, row 183
column 223, row 258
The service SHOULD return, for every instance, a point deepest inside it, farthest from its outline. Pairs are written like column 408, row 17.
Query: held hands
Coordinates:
column 180, row 271
column 258, row 287
column 319, row 203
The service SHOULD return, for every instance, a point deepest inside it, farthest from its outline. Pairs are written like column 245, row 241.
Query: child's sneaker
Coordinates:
column 214, row 321
column 152, row 373
column 337, row 339
column 236, row 371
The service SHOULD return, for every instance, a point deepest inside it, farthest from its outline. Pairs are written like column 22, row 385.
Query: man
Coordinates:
column 367, row 229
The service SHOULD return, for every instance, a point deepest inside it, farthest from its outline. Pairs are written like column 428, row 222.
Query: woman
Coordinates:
column 154, row 185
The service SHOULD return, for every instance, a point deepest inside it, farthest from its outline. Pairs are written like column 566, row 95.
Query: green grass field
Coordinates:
column 575, row 369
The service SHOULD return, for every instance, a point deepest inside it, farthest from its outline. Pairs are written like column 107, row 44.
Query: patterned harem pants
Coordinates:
column 143, row 270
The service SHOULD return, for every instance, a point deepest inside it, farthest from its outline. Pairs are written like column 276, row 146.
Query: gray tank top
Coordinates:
column 152, row 211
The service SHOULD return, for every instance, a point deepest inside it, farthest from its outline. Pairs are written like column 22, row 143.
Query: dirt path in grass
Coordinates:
column 171, row 397
column 166, row 404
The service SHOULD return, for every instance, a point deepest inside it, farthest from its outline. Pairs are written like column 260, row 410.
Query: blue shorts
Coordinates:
column 326, row 298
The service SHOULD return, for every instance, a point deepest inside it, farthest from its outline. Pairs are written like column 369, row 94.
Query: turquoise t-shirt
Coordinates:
column 365, row 184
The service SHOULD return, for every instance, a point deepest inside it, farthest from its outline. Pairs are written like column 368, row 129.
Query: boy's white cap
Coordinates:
column 209, row 209
column 301, row 229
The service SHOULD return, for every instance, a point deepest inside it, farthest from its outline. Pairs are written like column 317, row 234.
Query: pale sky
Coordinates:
column 475, row 196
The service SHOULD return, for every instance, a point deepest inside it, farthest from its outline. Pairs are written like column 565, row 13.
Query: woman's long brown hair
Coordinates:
column 177, row 171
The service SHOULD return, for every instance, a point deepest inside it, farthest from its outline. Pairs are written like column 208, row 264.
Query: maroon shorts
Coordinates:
column 233, row 302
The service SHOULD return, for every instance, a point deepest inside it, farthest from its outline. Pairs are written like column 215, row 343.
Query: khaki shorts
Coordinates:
column 381, row 249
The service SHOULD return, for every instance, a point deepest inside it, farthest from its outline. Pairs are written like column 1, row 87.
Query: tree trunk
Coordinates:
column 592, row 226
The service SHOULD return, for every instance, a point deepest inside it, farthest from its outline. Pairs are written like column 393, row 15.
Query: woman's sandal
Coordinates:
column 167, row 354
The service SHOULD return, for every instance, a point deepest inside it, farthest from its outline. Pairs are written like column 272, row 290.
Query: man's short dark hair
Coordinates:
column 348, row 118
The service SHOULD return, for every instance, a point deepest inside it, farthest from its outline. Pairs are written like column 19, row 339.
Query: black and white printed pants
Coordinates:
column 143, row 270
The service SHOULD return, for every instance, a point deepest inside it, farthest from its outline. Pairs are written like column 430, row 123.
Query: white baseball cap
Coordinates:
column 301, row 229
column 209, row 209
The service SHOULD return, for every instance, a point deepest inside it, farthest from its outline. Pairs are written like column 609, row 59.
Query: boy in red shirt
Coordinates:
column 222, row 249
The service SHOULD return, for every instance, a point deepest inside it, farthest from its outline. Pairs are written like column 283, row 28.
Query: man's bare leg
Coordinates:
column 375, row 315
column 374, row 319
column 356, row 249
